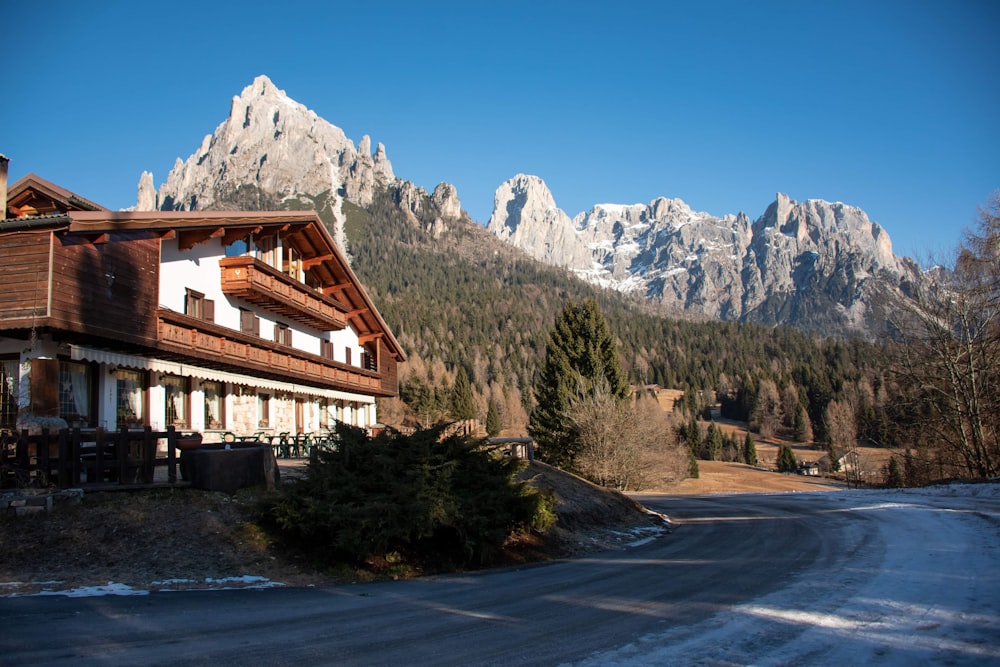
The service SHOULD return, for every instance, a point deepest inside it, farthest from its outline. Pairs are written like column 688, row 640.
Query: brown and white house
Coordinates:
column 207, row 321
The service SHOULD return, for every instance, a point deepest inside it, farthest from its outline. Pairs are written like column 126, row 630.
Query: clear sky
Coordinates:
column 892, row 106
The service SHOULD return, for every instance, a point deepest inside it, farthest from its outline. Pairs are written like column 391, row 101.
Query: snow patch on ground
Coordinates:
column 11, row 588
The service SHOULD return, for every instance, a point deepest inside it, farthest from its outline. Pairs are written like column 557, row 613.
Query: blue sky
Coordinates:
column 889, row 106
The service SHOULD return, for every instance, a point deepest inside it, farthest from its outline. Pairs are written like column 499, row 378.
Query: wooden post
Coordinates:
column 98, row 457
column 148, row 455
column 74, row 458
column 122, row 451
column 172, row 454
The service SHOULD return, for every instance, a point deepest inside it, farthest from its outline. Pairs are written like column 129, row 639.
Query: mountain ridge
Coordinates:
column 814, row 265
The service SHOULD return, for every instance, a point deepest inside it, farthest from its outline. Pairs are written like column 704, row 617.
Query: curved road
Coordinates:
column 821, row 578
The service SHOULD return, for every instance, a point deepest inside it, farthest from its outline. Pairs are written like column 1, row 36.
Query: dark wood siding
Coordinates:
column 388, row 370
column 24, row 258
column 109, row 290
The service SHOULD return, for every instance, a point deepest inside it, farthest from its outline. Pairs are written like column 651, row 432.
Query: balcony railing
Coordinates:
column 252, row 280
column 220, row 347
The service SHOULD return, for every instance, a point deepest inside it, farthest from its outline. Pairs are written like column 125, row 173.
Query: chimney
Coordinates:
column 3, row 186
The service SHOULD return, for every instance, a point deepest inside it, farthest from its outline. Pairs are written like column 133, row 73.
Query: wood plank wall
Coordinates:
column 24, row 256
column 107, row 289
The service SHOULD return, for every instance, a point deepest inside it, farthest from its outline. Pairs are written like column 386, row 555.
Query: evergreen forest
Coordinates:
column 458, row 298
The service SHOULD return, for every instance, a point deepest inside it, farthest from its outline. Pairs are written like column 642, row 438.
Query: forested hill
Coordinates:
column 454, row 295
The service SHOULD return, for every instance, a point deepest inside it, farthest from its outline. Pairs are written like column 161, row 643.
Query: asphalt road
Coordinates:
column 761, row 579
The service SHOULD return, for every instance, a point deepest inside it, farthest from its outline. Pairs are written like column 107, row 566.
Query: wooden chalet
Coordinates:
column 206, row 321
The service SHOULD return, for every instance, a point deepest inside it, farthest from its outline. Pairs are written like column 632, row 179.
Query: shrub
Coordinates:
column 425, row 496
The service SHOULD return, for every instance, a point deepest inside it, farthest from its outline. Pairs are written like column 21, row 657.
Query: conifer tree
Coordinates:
column 493, row 426
column 749, row 450
column 581, row 360
column 463, row 405
column 893, row 474
column 786, row 460
column 713, row 442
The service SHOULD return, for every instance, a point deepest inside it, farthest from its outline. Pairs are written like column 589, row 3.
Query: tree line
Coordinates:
column 469, row 309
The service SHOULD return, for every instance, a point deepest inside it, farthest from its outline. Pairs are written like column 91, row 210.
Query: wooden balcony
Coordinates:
column 252, row 280
column 211, row 345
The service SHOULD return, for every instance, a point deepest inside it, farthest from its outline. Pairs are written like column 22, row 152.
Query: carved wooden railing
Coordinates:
column 218, row 346
column 252, row 280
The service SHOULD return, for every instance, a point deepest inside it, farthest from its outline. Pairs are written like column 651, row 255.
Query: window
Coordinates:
column 265, row 250
column 282, row 334
column 175, row 397
column 249, row 323
column 74, row 392
column 368, row 361
column 263, row 410
column 214, row 404
column 326, row 349
column 347, row 356
column 131, row 397
column 196, row 305
column 293, row 264
column 9, row 380
column 324, row 413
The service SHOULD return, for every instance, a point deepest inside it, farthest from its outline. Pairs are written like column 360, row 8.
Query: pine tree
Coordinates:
column 713, row 442
column 581, row 360
column 749, row 450
column 493, row 425
column 893, row 474
column 786, row 460
column 463, row 405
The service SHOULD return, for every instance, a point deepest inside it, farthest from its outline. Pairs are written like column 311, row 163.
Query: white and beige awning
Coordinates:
column 81, row 353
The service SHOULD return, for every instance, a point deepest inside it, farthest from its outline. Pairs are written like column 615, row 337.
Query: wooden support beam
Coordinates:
column 367, row 338
column 189, row 238
column 238, row 234
column 313, row 261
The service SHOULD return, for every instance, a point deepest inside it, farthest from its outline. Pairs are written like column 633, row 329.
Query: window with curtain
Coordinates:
column 131, row 397
column 9, row 374
column 214, row 394
column 263, row 410
column 74, row 392
column 175, row 390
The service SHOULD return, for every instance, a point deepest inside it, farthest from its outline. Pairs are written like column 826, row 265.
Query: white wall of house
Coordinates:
column 198, row 269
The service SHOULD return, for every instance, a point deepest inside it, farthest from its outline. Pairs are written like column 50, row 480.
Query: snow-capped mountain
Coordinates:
column 814, row 264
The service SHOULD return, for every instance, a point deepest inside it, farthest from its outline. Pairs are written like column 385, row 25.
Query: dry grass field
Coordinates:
column 722, row 477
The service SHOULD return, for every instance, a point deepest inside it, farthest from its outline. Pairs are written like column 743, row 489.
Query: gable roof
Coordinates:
column 34, row 196
column 67, row 213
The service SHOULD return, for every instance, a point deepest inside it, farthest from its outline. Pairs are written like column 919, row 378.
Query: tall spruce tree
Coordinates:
column 786, row 459
column 493, row 425
column 463, row 405
column 749, row 450
column 581, row 360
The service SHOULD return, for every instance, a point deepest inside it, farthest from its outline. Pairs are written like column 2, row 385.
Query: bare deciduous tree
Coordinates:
column 617, row 438
column 949, row 358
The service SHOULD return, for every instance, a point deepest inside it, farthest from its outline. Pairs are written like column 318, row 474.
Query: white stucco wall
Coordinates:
column 198, row 269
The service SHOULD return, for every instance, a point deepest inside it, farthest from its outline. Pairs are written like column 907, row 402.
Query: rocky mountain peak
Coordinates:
column 271, row 150
column 812, row 264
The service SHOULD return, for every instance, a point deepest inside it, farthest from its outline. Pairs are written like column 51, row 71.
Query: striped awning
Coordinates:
column 111, row 358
